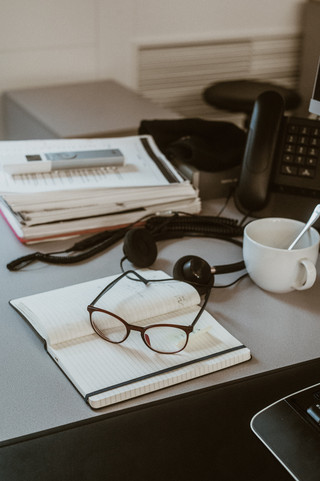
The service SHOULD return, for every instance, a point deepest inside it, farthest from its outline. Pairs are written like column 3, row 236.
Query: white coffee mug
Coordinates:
column 269, row 262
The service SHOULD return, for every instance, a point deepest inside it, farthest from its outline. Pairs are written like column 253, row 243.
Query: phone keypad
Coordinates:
column 301, row 150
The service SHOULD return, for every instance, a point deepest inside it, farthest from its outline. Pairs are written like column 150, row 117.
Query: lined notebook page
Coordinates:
column 93, row 365
column 61, row 314
column 161, row 381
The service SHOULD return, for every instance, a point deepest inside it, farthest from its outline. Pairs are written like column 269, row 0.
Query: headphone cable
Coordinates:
column 175, row 225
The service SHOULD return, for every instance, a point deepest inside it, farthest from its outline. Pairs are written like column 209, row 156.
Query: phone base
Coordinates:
column 210, row 184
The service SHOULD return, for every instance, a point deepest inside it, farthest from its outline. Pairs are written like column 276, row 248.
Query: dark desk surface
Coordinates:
column 280, row 330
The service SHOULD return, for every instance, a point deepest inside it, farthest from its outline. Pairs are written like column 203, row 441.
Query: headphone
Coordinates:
column 139, row 247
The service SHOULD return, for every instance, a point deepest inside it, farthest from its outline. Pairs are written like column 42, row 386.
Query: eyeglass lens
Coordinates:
column 165, row 339
column 108, row 326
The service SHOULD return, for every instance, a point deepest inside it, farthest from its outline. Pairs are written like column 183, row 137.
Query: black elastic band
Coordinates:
column 163, row 371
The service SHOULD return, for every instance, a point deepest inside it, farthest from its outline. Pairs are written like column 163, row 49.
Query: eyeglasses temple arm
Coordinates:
column 114, row 282
column 202, row 307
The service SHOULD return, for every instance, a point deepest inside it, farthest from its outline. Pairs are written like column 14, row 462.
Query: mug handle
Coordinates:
column 311, row 274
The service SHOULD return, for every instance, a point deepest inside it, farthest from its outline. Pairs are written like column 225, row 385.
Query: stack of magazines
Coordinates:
column 77, row 200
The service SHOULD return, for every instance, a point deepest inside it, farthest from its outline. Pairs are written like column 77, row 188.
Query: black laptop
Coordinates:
column 290, row 428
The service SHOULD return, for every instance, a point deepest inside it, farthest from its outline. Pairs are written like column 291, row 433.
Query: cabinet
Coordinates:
column 92, row 109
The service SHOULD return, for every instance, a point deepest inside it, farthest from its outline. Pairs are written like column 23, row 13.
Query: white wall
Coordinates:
column 45, row 42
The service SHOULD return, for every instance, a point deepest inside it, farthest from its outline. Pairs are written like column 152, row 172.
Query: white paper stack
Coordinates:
column 62, row 203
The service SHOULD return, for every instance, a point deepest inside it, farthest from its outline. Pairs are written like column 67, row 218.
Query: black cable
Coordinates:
column 229, row 196
column 175, row 225
column 231, row 283
column 91, row 241
column 94, row 245
column 23, row 261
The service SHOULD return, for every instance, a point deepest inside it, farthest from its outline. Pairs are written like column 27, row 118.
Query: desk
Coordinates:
column 188, row 431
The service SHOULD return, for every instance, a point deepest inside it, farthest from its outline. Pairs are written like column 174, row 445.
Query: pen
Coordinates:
column 47, row 162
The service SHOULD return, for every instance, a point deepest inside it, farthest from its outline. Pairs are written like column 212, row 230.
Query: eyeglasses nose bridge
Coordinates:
column 140, row 329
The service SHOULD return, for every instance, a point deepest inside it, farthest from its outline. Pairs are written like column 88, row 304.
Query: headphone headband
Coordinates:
column 140, row 249
column 168, row 227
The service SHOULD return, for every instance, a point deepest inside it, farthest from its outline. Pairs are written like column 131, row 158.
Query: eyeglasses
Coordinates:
column 161, row 338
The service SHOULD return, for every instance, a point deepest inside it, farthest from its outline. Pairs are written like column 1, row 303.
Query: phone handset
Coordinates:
column 252, row 191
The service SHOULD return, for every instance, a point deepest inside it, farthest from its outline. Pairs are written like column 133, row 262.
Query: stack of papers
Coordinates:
column 63, row 203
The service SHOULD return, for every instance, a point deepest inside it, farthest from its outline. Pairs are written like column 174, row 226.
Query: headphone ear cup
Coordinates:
column 194, row 270
column 139, row 247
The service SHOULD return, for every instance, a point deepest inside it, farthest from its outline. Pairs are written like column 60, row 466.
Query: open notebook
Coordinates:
column 106, row 373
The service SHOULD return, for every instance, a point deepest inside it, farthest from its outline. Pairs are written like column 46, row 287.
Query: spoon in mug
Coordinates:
column 314, row 216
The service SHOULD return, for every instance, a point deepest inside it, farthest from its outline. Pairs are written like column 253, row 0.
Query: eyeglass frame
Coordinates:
column 131, row 327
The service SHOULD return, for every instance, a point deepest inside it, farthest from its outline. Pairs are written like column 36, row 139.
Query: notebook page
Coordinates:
column 94, row 364
column 61, row 314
